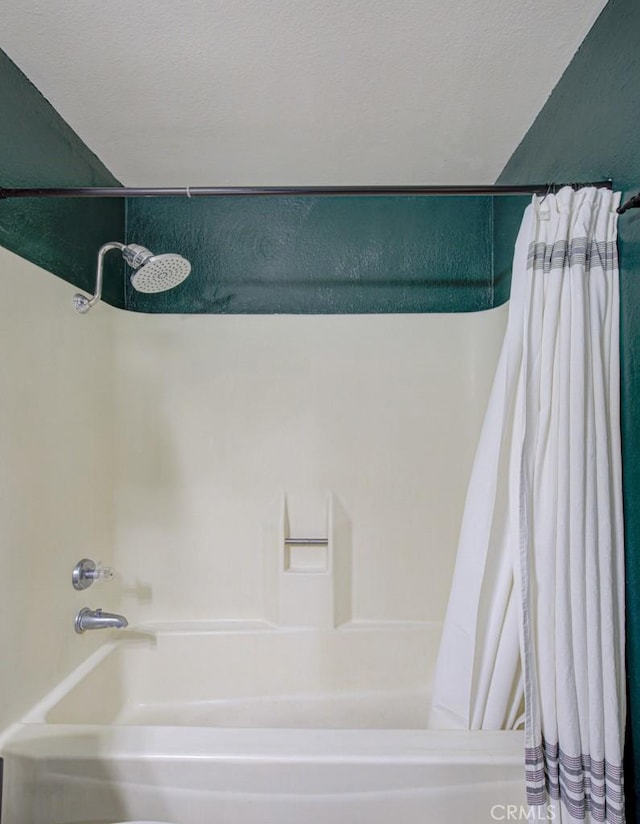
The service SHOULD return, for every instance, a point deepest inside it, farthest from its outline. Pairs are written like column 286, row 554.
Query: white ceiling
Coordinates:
column 294, row 92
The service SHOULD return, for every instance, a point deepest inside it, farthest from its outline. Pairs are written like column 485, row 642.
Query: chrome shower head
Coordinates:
column 153, row 273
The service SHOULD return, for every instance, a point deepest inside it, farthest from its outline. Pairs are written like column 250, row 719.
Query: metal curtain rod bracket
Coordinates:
column 632, row 203
column 296, row 191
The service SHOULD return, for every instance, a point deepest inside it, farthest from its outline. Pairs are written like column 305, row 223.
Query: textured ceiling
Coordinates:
column 268, row 92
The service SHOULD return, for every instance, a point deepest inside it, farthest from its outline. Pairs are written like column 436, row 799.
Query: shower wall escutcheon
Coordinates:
column 153, row 273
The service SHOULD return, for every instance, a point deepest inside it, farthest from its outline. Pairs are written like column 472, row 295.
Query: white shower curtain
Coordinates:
column 534, row 629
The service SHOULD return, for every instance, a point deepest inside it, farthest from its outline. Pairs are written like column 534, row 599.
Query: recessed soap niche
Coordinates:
column 308, row 577
column 305, row 556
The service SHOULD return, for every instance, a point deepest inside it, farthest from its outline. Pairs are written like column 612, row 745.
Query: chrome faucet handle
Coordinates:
column 87, row 571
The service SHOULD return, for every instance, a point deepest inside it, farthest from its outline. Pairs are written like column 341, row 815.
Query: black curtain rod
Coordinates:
column 296, row 191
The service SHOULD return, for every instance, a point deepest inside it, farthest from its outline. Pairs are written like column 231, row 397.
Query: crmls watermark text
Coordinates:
column 512, row 812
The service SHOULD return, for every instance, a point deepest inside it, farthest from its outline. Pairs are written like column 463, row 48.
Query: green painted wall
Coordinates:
column 37, row 148
column 588, row 130
column 249, row 255
column 319, row 255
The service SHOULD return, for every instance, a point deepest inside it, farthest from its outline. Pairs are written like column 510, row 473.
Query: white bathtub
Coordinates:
column 256, row 725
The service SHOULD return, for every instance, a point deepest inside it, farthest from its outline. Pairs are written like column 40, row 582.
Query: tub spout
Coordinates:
column 97, row 619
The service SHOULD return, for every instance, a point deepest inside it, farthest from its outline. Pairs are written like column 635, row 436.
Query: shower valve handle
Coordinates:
column 87, row 571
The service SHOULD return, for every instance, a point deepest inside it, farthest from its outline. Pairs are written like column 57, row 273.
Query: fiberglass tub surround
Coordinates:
column 284, row 578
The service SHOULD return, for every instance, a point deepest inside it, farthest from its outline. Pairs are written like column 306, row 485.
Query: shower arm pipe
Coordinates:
column 107, row 247
column 297, row 191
